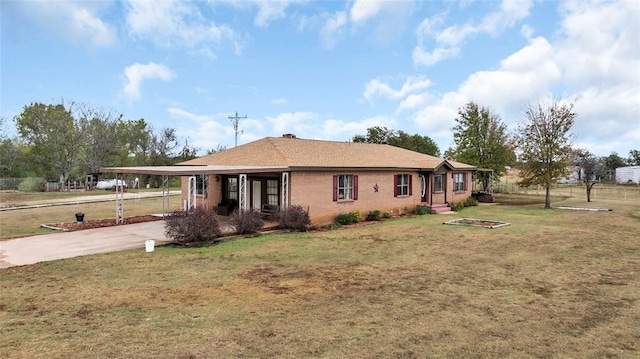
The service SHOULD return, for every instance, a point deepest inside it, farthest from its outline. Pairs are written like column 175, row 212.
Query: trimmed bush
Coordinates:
column 387, row 214
column 422, row 210
column 373, row 215
column 348, row 218
column 293, row 218
column 457, row 207
column 196, row 227
column 246, row 221
column 470, row 202
column 334, row 226
column 32, row 184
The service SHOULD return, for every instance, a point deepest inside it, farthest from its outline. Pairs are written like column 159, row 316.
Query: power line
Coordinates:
column 236, row 120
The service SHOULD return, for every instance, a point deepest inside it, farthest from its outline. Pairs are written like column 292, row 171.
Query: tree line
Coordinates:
column 61, row 142
column 541, row 147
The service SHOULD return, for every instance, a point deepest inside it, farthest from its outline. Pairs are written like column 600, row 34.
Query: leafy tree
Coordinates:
column 480, row 139
column 634, row 158
column 612, row 162
column 56, row 137
column 383, row 135
column 544, row 142
column 102, row 140
column 592, row 169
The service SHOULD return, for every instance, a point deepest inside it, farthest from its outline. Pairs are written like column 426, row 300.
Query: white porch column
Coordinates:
column 284, row 203
column 243, row 194
column 192, row 189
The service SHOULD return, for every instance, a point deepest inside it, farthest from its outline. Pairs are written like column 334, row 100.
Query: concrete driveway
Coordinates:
column 47, row 247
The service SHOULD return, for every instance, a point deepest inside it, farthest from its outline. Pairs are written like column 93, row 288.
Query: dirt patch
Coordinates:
column 100, row 223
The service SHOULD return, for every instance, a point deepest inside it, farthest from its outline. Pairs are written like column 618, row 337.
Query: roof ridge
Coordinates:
column 273, row 143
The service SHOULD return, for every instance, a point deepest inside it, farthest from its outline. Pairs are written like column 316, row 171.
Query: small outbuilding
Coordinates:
column 628, row 175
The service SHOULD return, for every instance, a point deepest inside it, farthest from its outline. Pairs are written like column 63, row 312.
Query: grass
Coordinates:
column 555, row 283
column 26, row 222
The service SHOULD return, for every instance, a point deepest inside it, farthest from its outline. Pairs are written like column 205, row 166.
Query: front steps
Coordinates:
column 439, row 208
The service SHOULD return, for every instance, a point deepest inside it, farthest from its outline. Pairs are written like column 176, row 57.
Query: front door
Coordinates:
column 256, row 194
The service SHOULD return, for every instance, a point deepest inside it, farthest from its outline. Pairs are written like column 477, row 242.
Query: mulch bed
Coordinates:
column 478, row 223
column 100, row 223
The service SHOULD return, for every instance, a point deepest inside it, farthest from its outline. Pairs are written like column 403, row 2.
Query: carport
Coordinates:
column 191, row 172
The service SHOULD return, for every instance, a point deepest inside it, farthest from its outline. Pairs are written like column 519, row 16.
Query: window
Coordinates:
column 345, row 187
column 272, row 192
column 402, row 185
column 459, row 182
column 232, row 188
column 202, row 182
column 437, row 183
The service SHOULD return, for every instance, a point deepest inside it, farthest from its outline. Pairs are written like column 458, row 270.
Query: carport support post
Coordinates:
column 165, row 195
column 119, row 201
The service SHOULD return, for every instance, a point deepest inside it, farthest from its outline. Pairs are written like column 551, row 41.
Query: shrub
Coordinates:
column 421, row 210
column 373, row 215
column 348, row 218
column 387, row 214
column 246, row 221
column 294, row 218
column 470, row 202
column 197, row 226
column 457, row 207
column 334, row 226
column 32, row 184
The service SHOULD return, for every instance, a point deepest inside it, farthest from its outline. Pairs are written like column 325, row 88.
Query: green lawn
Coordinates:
column 555, row 283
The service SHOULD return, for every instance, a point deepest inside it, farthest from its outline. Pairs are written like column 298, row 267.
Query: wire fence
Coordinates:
column 600, row 190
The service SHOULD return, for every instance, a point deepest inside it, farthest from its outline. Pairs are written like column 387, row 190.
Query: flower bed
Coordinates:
column 478, row 223
column 99, row 223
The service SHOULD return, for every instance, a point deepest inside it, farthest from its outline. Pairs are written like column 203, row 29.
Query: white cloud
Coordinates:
column 138, row 73
column 376, row 87
column 76, row 20
column 333, row 129
column 269, row 11
column 365, row 9
column 173, row 23
column 279, row 101
column 299, row 123
column 414, row 101
column 331, row 27
column 449, row 39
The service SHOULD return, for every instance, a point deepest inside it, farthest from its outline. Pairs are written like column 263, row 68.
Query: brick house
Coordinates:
column 325, row 177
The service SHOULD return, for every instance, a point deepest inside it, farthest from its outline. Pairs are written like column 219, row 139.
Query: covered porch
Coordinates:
column 218, row 188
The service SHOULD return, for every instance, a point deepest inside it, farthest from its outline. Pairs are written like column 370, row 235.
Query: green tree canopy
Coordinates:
column 481, row 139
column 634, row 158
column 56, row 137
column 544, row 143
column 416, row 142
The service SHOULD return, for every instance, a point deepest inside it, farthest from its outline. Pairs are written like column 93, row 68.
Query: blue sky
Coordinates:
column 327, row 69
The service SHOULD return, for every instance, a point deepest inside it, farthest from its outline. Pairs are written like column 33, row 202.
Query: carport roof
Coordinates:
column 193, row 170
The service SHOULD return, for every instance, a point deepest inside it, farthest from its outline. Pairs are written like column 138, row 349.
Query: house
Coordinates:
column 325, row 177
column 630, row 174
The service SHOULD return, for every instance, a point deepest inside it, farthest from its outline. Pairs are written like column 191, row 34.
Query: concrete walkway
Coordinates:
column 48, row 247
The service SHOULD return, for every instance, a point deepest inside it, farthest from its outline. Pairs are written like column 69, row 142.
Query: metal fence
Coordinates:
column 600, row 190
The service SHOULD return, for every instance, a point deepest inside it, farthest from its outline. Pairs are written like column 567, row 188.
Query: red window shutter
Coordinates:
column 410, row 185
column 335, row 188
column 433, row 183
column 395, row 185
column 355, row 187
column 466, row 181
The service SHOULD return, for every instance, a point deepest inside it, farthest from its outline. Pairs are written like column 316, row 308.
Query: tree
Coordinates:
column 103, row 141
column 592, row 169
column 634, row 158
column 480, row 139
column 544, row 143
column 612, row 162
column 56, row 137
column 385, row 136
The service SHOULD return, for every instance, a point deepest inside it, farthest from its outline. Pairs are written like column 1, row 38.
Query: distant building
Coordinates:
column 629, row 174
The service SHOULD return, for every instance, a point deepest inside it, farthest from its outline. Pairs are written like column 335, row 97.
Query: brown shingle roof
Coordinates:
column 302, row 153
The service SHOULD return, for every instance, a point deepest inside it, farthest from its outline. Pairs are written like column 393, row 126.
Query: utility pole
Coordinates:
column 235, row 120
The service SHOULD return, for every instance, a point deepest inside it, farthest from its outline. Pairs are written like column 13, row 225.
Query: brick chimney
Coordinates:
column 289, row 135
